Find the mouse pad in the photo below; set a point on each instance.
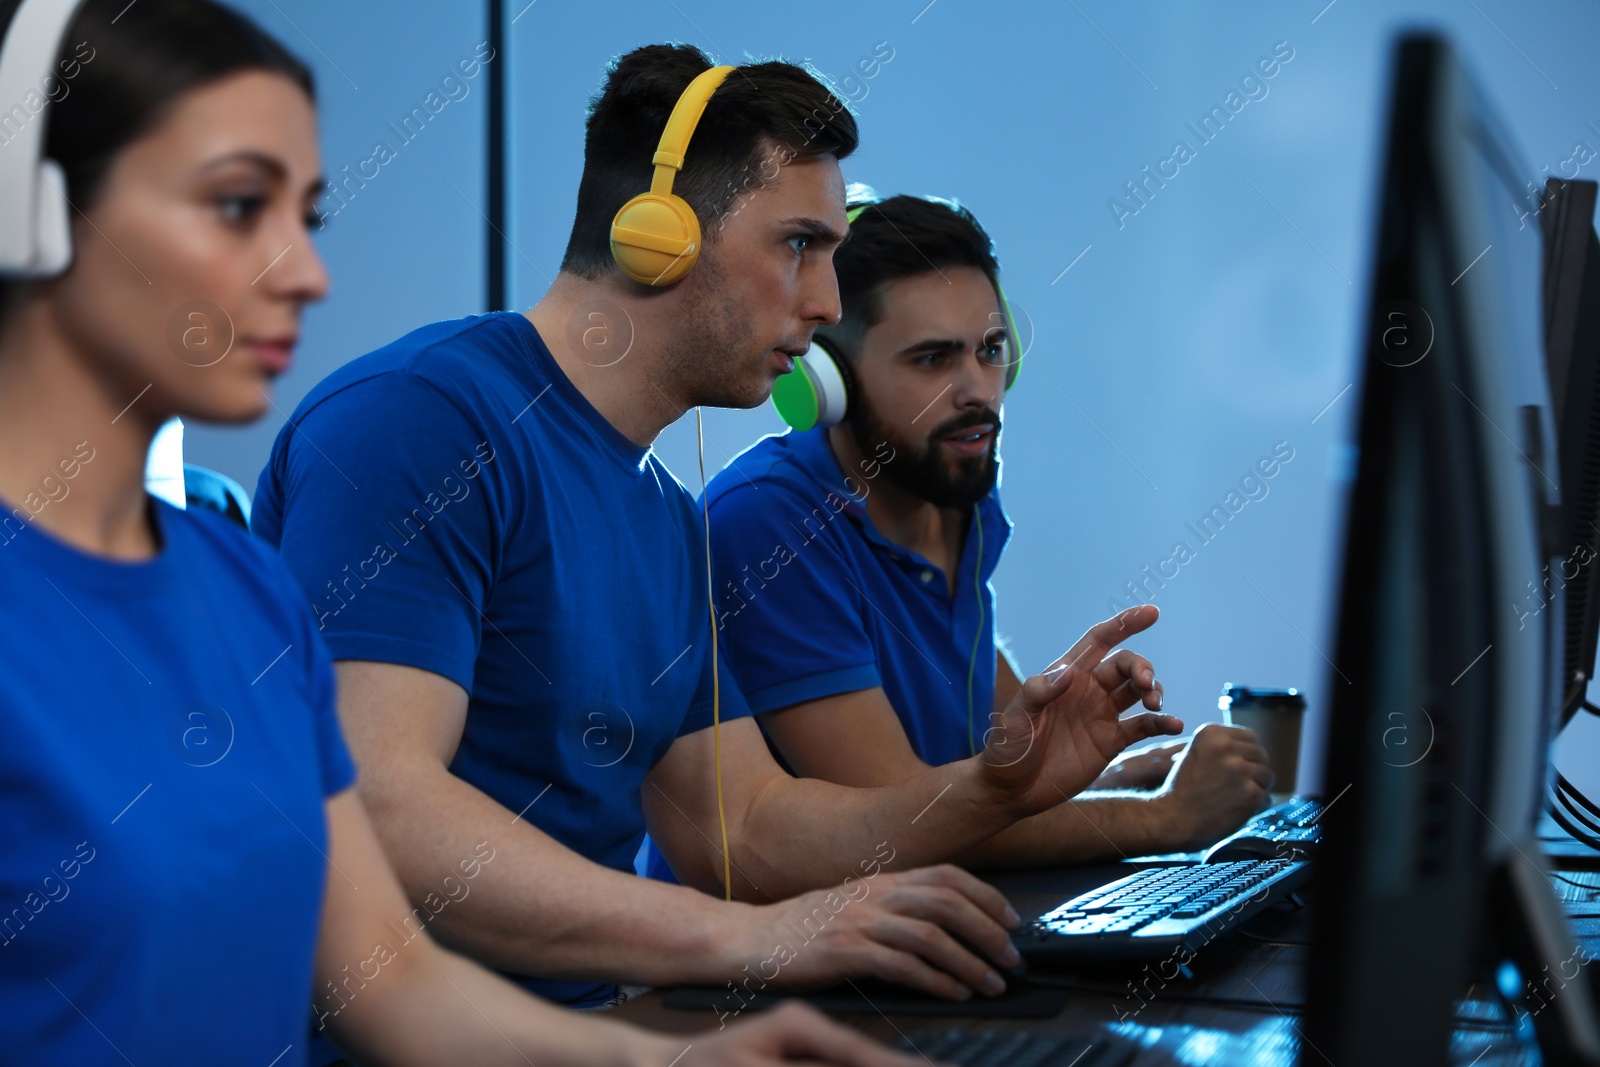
(1022, 1000)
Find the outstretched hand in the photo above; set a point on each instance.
(1065, 725)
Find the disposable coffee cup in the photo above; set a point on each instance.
(1275, 716)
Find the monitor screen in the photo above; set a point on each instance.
(1572, 351)
(1444, 685)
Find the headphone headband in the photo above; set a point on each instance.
(655, 237)
(34, 231)
(686, 113)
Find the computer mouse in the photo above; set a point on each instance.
(1008, 973)
(1255, 848)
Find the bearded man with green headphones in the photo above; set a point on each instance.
(852, 555)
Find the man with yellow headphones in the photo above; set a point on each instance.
(853, 554)
(515, 592)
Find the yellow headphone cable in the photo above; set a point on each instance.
(716, 679)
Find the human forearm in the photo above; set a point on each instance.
(843, 831)
(1221, 779)
(1088, 829)
(409, 1001)
(1085, 830)
(444, 1009)
(537, 907)
(787, 834)
(454, 1012)
(391, 995)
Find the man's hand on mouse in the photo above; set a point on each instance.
(1219, 780)
(936, 929)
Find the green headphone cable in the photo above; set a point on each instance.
(972, 664)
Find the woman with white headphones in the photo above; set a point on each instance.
(185, 874)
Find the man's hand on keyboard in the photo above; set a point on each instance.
(1219, 782)
(1065, 725)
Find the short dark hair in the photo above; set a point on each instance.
(143, 58)
(898, 238)
(765, 109)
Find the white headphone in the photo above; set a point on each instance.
(35, 218)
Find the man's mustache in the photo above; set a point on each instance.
(966, 422)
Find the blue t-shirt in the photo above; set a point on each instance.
(452, 502)
(169, 739)
(814, 601)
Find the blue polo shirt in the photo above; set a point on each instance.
(814, 601)
(169, 740)
(452, 502)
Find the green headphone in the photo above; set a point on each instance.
(817, 392)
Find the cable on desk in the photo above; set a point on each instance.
(1572, 830)
(1574, 812)
(1565, 821)
(1575, 799)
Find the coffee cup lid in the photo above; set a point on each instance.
(1254, 696)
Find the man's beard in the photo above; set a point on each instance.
(919, 467)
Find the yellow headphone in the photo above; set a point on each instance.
(655, 237)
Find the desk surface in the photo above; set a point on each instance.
(1242, 1005)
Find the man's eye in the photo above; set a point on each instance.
(803, 237)
(996, 351)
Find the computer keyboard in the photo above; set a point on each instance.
(1000, 1048)
(1157, 910)
(1576, 887)
(1291, 830)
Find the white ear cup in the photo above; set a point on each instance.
(35, 217)
(52, 216)
(833, 396)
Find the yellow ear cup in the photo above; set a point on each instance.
(655, 237)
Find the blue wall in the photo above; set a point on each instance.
(1183, 343)
(406, 246)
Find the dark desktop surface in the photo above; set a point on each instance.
(1241, 1002)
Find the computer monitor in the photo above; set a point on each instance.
(1572, 352)
(1443, 695)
